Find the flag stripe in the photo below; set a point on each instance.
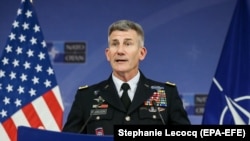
(32, 116)
(11, 129)
(3, 135)
(54, 107)
(57, 94)
(45, 114)
(19, 118)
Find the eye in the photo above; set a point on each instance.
(114, 44)
(128, 43)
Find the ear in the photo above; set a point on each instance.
(143, 53)
(107, 53)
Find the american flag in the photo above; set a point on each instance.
(29, 93)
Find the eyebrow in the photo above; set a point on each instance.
(126, 39)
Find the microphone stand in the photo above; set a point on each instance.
(155, 106)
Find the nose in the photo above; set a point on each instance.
(120, 48)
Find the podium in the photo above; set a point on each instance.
(32, 134)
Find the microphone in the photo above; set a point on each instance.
(100, 101)
(155, 106)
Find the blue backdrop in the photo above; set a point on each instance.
(184, 39)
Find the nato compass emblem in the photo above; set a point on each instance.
(235, 109)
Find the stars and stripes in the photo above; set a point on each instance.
(29, 94)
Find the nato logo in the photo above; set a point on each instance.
(235, 111)
(67, 52)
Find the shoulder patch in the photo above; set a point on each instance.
(169, 83)
(83, 87)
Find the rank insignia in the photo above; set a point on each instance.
(171, 84)
(83, 87)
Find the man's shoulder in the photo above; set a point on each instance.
(93, 86)
(167, 83)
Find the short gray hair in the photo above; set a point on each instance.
(125, 25)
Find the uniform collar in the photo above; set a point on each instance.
(132, 82)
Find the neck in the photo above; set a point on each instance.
(125, 76)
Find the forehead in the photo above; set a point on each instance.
(121, 35)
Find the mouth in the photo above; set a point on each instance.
(121, 60)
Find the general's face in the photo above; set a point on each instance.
(125, 51)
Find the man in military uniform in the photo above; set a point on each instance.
(127, 96)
